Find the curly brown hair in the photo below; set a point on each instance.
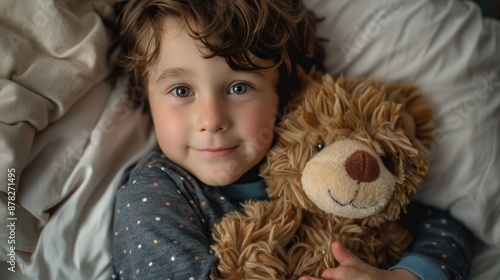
(282, 31)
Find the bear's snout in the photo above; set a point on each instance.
(362, 167)
(347, 179)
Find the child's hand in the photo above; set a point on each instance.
(351, 267)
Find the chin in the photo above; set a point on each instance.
(218, 179)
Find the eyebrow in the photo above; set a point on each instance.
(171, 73)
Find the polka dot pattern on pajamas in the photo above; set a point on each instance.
(443, 240)
(162, 223)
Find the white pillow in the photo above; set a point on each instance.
(452, 54)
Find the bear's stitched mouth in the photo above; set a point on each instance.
(350, 202)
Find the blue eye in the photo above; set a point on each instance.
(238, 88)
(181, 92)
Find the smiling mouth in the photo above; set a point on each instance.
(217, 152)
(351, 203)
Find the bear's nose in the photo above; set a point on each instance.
(362, 167)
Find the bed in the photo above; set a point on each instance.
(66, 132)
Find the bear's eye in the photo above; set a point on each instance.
(387, 161)
(320, 146)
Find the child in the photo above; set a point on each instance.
(216, 74)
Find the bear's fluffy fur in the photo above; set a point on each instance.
(350, 154)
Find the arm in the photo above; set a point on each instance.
(159, 231)
(441, 250)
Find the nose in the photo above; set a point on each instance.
(213, 116)
(362, 167)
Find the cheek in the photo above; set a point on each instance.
(263, 132)
(169, 127)
(261, 129)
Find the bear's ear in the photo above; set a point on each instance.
(418, 111)
(417, 117)
(421, 111)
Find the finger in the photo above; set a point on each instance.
(346, 257)
(343, 273)
(329, 274)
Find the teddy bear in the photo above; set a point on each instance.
(349, 155)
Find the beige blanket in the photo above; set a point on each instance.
(67, 132)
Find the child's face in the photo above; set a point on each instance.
(214, 122)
